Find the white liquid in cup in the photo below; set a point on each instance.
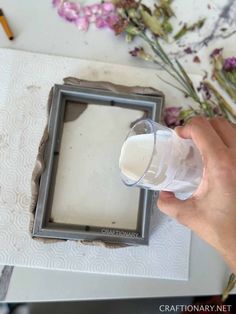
(172, 164)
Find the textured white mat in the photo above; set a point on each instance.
(25, 81)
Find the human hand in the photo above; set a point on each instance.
(211, 211)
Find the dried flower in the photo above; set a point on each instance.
(56, 3)
(108, 21)
(139, 52)
(152, 23)
(196, 59)
(102, 14)
(71, 5)
(86, 10)
(164, 9)
(148, 26)
(136, 51)
(172, 116)
(127, 4)
(216, 52)
(135, 19)
(224, 72)
(111, 20)
(108, 7)
(101, 22)
(205, 90)
(229, 64)
(96, 9)
(217, 98)
(132, 30)
(120, 26)
(185, 29)
(69, 11)
(82, 22)
(188, 50)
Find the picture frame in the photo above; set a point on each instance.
(44, 227)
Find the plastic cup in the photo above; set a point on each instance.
(156, 158)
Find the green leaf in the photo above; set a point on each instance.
(134, 14)
(152, 23)
(132, 30)
(185, 28)
(181, 32)
(199, 24)
(166, 8)
(129, 38)
(146, 9)
(167, 27)
(158, 12)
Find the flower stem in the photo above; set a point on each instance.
(167, 65)
(230, 286)
(221, 99)
(179, 74)
(223, 83)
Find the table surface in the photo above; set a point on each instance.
(37, 28)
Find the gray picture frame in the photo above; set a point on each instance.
(43, 227)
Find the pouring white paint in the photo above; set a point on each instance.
(170, 164)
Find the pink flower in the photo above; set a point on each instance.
(229, 64)
(101, 22)
(69, 11)
(172, 116)
(82, 22)
(96, 8)
(102, 14)
(71, 6)
(112, 20)
(108, 7)
(86, 10)
(56, 3)
(216, 52)
(92, 18)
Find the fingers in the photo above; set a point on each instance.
(225, 129)
(183, 211)
(200, 130)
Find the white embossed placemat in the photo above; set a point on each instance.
(25, 81)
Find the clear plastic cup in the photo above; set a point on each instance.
(156, 158)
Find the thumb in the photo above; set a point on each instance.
(181, 210)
